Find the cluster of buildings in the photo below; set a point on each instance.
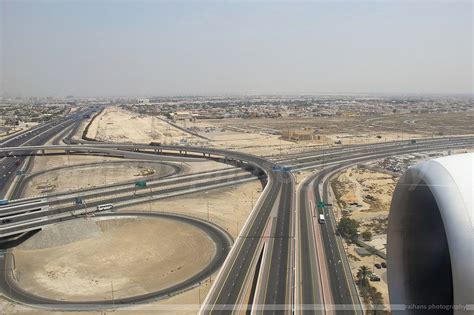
(298, 106)
(15, 114)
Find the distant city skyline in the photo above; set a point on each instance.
(90, 48)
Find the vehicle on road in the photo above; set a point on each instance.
(378, 266)
(3, 202)
(156, 144)
(106, 206)
(321, 219)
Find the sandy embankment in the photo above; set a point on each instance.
(117, 125)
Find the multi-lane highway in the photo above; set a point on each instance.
(34, 136)
(280, 262)
(326, 284)
(24, 217)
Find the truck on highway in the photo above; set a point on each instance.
(156, 144)
(321, 219)
(104, 207)
(3, 202)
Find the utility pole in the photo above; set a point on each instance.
(105, 173)
(280, 147)
(251, 200)
(199, 294)
(113, 300)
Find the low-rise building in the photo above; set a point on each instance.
(302, 134)
(183, 116)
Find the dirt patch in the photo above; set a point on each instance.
(155, 254)
(118, 125)
(364, 194)
(61, 234)
(87, 176)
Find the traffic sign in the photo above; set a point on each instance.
(140, 184)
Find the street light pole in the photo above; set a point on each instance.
(113, 300)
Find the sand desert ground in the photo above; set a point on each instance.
(364, 194)
(117, 125)
(351, 189)
(135, 256)
(93, 175)
(230, 216)
(75, 264)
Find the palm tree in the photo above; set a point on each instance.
(362, 275)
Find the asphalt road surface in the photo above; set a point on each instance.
(221, 239)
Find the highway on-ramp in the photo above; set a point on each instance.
(221, 239)
(261, 261)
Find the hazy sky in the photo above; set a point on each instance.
(91, 48)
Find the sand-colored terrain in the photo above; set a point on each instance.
(93, 175)
(101, 171)
(231, 216)
(328, 129)
(42, 163)
(155, 254)
(363, 193)
(117, 125)
(227, 207)
(259, 136)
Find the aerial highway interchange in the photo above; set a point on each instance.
(282, 261)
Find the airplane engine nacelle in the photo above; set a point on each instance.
(430, 245)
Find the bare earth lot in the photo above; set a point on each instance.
(92, 175)
(228, 207)
(365, 195)
(117, 125)
(155, 254)
(257, 136)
